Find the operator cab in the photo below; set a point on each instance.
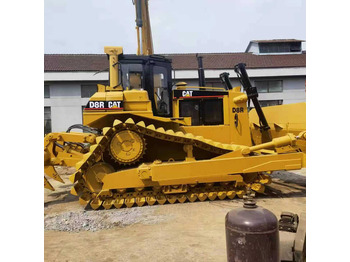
(153, 73)
(150, 73)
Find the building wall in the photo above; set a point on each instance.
(293, 90)
(66, 104)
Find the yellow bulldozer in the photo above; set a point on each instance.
(146, 141)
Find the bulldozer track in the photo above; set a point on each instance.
(149, 196)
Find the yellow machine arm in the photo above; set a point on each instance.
(143, 27)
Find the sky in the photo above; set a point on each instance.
(181, 26)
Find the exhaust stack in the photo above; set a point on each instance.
(201, 76)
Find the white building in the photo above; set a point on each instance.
(276, 67)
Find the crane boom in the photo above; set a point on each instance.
(143, 28)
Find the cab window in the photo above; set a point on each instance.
(160, 91)
(203, 111)
(132, 76)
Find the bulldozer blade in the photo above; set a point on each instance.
(48, 185)
(51, 172)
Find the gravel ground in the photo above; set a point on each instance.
(103, 219)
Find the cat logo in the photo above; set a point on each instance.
(187, 93)
(114, 104)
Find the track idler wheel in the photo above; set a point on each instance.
(94, 175)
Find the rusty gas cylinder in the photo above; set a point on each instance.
(251, 234)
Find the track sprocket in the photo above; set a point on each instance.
(127, 147)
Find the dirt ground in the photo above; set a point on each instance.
(178, 232)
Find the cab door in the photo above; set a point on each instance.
(159, 88)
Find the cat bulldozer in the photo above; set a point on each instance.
(147, 141)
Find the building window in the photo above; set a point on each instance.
(46, 91)
(280, 47)
(271, 86)
(88, 90)
(264, 103)
(47, 120)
